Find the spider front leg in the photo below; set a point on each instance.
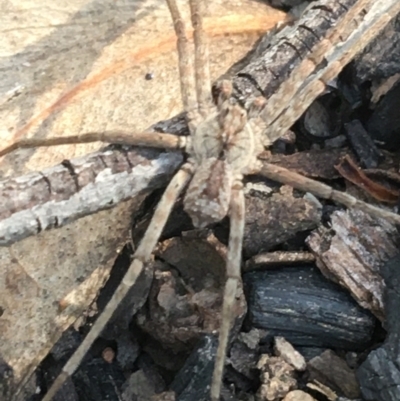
(141, 257)
(233, 274)
(185, 66)
(201, 62)
(150, 139)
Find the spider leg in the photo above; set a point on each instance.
(150, 139)
(285, 176)
(201, 63)
(236, 214)
(141, 256)
(185, 67)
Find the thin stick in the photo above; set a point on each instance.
(141, 257)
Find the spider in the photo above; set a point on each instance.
(224, 144)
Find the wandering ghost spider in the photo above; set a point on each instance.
(224, 144)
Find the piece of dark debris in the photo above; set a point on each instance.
(149, 76)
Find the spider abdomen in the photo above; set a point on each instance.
(209, 193)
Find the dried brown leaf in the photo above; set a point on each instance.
(349, 170)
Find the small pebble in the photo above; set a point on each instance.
(108, 354)
(298, 395)
(286, 351)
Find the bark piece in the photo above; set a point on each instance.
(273, 68)
(244, 353)
(152, 372)
(351, 253)
(320, 390)
(286, 351)
(41, 201)
(286, 3)
(310, 352)
(138, 387)
(277, 378)
(307, 309)
(273, 220)
(331, 370)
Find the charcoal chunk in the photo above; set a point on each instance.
(98, 380)
(380, 59)
(307, 309)
(362, 144)
(379, 375)
(384, 124)
(190, 382)
(6, 380)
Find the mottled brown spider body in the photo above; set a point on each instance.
(223, 149)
